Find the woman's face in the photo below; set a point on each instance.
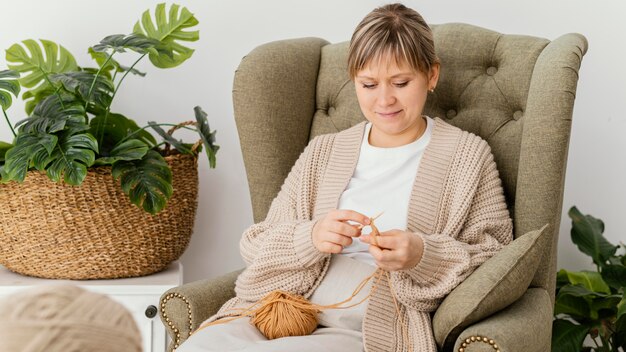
(392, 98)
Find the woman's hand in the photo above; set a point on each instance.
(332, 233)
(396, 249)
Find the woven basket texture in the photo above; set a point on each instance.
(92, 231)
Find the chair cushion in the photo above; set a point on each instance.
(494, 285)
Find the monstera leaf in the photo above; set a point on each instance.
(169, 32)
(179, 145)
(4, 146)
(28, 149)
(51, 116)
(112, 129)
(36, 65)
(8, 84)
(71, 157)
(136, 42)
(131, 149)
(97, 90)
(147, 182)
(208, 136)
(38, 94)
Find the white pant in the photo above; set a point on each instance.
(339, 330)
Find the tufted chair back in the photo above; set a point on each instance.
(516, 92)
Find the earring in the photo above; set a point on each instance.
(432, 90)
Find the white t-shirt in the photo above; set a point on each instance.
(382, 182)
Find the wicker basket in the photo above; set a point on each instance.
(92, 231)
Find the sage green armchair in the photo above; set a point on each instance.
(516, 92)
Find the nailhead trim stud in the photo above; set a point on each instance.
(169, 322)
(484, 339)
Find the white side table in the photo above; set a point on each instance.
(140, 295)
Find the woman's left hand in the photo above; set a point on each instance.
(396, 249)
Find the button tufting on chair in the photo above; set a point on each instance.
(492, 70)
(451, 113)
(518, 115)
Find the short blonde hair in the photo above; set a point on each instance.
(392, 29)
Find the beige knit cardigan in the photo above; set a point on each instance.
(457, 205)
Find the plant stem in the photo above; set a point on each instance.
(93, 83)
(8, 122)
(126, 74)
(106, 115)
(56, 90)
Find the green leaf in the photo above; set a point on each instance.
(35, 96)
(147, 182)
(8, 84)
(71, 157)
(579, 290)
(3, 149)
(567, 336)
(169, 32)
(208, 136)
(36, 65)
(604, 307)
(614, 276)
(136, 42)
(577, 307)
(114, 128)
(561, 279)
(28, 149)
(589, 279)
(112, 64)
(179, 145)
(621, 308)
(81, 83)
(132, 149)
(586, 303)
(51, 116)
(587, 235)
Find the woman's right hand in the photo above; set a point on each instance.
(332, 233)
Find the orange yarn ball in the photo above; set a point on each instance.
(283, 314)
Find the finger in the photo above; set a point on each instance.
(377, 253)
(336, 238)
(328, 247)
(388, 242)
(393, 232)
(350, 215)
(344, 229)
(394, 239)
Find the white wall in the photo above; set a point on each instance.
(230, 29)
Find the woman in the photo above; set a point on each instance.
(444, 211)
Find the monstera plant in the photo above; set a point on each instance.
(69, 125)
(591, 304)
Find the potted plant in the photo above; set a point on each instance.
(74, 167)
(591, 304)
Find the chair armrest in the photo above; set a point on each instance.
(525, 325)
(185, 307)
